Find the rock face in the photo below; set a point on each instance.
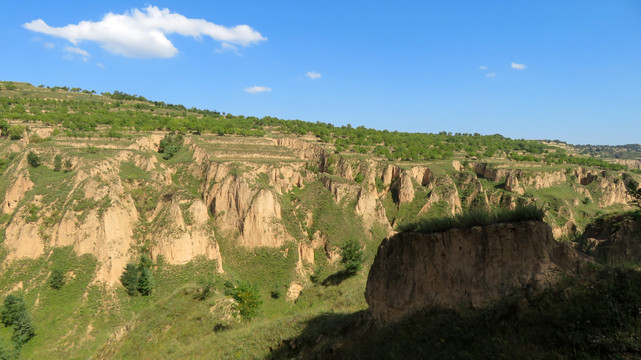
(617, 239)
(462, 267)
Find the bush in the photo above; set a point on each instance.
(129, 279)
(247, 298)
(23, 329)
(57, 163)
(57, 279)
(15, 132)
(12, 308)
(170, 145)
(145, 282)
(33, 159)
(351, 256)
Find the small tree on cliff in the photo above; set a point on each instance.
(352, 256)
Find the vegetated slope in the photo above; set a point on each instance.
(272, 209)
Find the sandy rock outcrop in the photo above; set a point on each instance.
(512, 184)
(404, 188)
(16, 192)
(462, 267)
(443, 189)
(617, 238)
(371, 210)
(339, 188)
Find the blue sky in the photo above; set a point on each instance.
(567, 70)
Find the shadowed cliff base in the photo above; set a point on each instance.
(592, 315)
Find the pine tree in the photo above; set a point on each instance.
(129, 279)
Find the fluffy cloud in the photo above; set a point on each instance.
(143, 33)
(313, 75)
(518, 66)
(257, 89)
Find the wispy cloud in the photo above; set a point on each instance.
(483, 67)
(518, 66)
(490, 74)
(313, 75)
(257, 89)
(76, 50)
(100, 65)
(143, 33)
(49, 45)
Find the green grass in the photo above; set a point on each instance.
(129, 171)
(473, 218)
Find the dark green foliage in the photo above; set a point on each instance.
(12, 308)
(170, 145)
(129, 279)
(205, 289)
(247, 298)
(138, 278)
(276, 292)
(14, 313)
(68, 165)
(145, 282)
(33, 159)
(23, 329)
(57, 163)
(477, 217)
(351, 256)
(4, 127)
(57, 279)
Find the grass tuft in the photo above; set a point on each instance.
(477, 217)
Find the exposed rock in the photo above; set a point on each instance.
(294, 291)
(16, 192)
(512, 184)
(404, 188)
(486, 170)
(372, 210)
(421, 174)
(457, 165)
(339, 188)
(462, 267)
(443, 189)
(614, 192)
(617, 238)
(389, 173)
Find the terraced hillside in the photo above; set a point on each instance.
(239, 200)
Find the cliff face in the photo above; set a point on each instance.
(615, 239)
(462, 267)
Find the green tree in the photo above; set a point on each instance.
(57, 279)
(145, 282)
(33, 159)
(247, 298)
(4, 127)
(13, 306)
(68, 165)
(23, 329)
(57, 163)
(129, 279)
(351, 256)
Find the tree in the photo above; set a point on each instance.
(15, 132)
(57, 163)
(68, 165)
(4, 127)
(22, 329)
(33, 159)
(247, 298)
(57, 279)
(13, 306)
(351, 256)
(129, 279)
(145, 282)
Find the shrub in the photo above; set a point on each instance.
(15, 132)
(170, 145)
(33, 159)
(57, 279)
(57, 163)
(351, 256)
(247, 298)
(145, 282)
(23, 329)
(129, 279)
(13, 306)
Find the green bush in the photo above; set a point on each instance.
(129, 279)
(33, 159)
(57, 163)
(145, 282)
(57, 279)
(351, 256)
(15, 132)
(12, 308)
(138, 278)
(247, 298)
(170, 145)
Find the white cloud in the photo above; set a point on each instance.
(490, 74)
(68, 57)
(483, 67)
(257, 89)
(518, 66)
(49, 45)
(100, 65)
(142, 33)
(313, 75)
(76, 50)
